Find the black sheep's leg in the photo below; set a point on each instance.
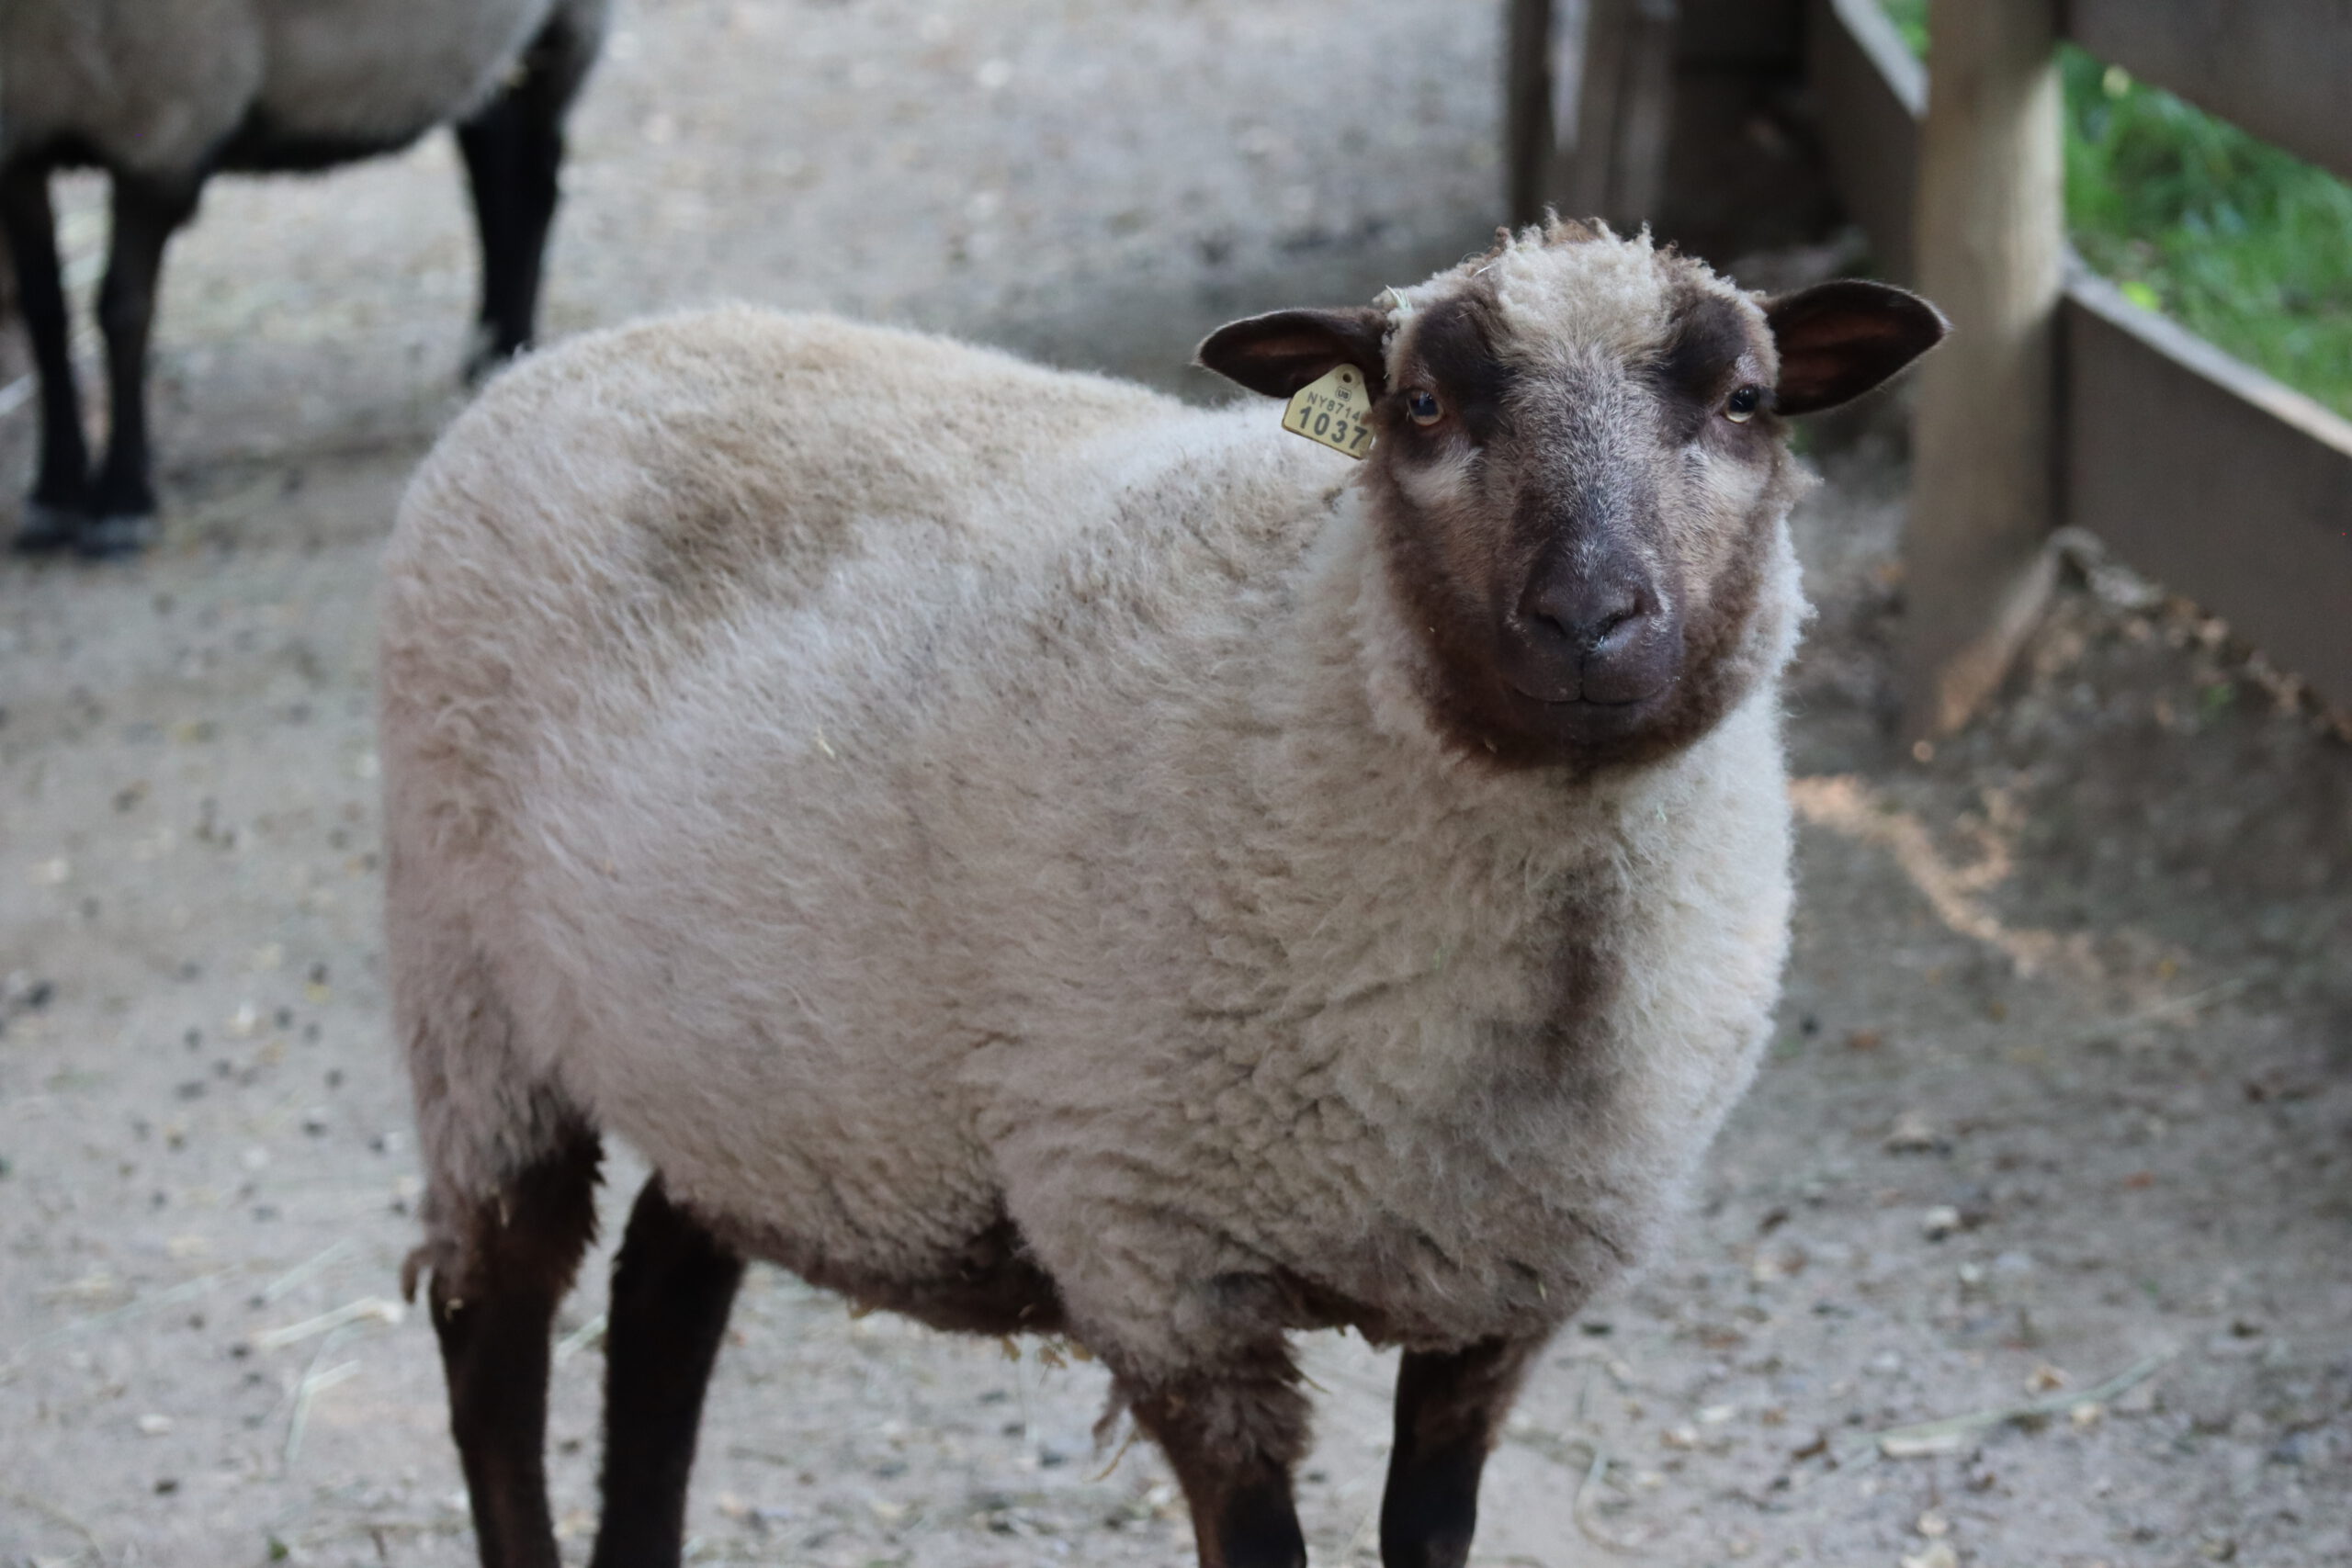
(494, 1313)
(672, 1284)
(60, 492)
(1232, 1435)
(514, 149)
(1449, 1409)
(146, 212)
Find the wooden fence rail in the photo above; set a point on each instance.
(2196, 466)
(2279, 68)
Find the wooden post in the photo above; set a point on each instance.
(1609, 65)
(1531, 137)
(1617, 168)
(1991, 248)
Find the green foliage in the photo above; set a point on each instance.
(2234, 238)
(2239, 242)
(1910, 19)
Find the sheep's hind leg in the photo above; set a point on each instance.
(61, 493)
(672, 1287)
(1449, 1409)
(1232, 1436)
(513, 149)
(494, 1311)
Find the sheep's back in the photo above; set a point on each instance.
(627, 505)
(164, 86)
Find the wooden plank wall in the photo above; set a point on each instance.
(1871, 93)
(2210, 476)
(2279, 68)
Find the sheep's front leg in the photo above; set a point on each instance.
(1450, 1410)
(1232, 1435)
(147, 210)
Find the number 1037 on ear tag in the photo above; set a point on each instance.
(1333, 411)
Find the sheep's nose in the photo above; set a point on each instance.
(1606, 632)
(1588, 614)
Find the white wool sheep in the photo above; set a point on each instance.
(163, 94)
(1023, 851)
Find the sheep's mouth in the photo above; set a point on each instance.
(1601, 704)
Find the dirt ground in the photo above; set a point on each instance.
(2060, 1100)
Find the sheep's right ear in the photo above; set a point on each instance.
(1280, 351)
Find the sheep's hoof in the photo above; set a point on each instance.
(420, 1262)
(116, 534)
(46, 527)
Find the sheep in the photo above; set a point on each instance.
(163, 94)
(1021, 851)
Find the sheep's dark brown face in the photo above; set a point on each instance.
(1580, 475)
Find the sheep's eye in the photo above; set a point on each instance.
(1741, 406)
(1423, 406)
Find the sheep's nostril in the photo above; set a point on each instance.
(1586, 615)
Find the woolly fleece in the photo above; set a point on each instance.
(898, 788)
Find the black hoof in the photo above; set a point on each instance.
(115, 535)
(46, 528)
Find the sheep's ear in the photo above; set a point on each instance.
(1279, 352)
(1837, 340)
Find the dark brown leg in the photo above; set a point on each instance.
(1450, 1410)
(61, 490)
(513, 149)
(146, 212)
(1232, 1439)
(672, 1287)
(494, 1313)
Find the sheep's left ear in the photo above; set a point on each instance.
(1837, 340)
(1279, 352)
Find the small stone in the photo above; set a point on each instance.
(1935, 1554)
(2086, 1415)
(1911, 1134)
(1939, 1222)
(155, 1426)
(1933, 1525)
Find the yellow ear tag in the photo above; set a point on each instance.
(1333, 411)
